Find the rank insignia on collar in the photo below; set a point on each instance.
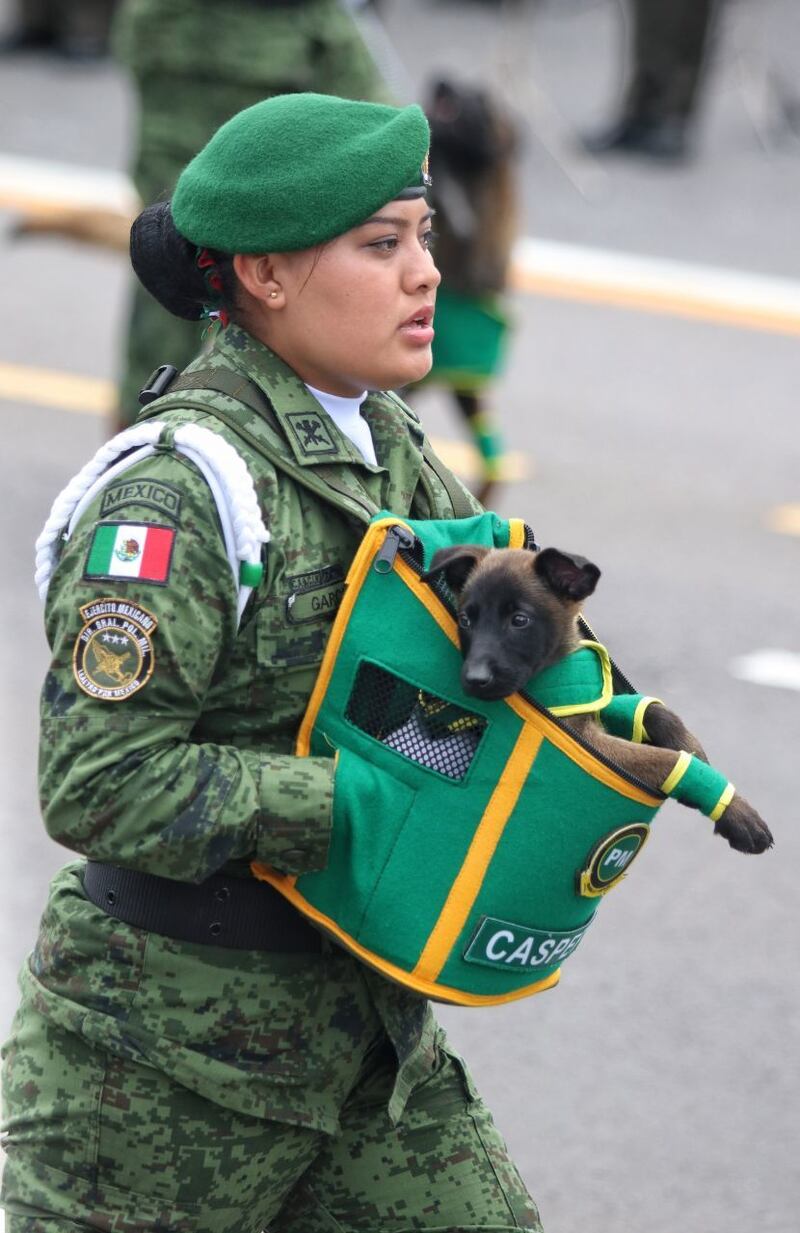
(113, 655)
(311, 433)
(610, 859)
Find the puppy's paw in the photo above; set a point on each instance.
(667, 730)
(743, 828)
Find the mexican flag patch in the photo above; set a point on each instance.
(140, 550)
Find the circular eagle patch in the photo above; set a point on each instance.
(113, 656)
(610, 859)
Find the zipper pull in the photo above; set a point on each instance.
(397, 537)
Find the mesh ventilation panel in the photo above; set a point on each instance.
(429, 730)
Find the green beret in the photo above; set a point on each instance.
(297, 170)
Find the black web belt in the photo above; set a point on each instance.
(240, 913)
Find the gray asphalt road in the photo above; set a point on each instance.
(657, 1088)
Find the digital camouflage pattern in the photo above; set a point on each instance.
(195, 64)
(122, 1035)
(220, 1171)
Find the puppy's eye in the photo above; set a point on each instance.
(520, 620)
(463, 620)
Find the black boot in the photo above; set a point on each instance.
(663, 138)
(23, 38)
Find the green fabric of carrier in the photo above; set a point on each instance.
(472, 840)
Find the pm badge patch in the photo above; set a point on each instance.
(113, 656)
(610, 859)
(141, 550)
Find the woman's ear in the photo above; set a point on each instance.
(256, 272)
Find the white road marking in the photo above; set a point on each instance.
(679, 288)
(540, 267)
(769, 667)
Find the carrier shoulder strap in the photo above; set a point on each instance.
(242, 389)
(319, 479)
(462, 507)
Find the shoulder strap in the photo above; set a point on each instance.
(227, 381)
(242, 389)
(462, 507)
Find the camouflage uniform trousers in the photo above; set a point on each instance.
(195, 64)
(118, 1146)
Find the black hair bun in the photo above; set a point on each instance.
(165, 263)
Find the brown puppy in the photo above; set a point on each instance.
(518, 614)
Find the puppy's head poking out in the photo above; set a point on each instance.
(517, 611)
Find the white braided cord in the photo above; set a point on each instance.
(222, 467)
(239, 508)
(67, 500)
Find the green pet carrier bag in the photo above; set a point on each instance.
(472, 841)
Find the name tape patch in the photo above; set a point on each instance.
(501, 943)
(316, 593)
(113, 655)
(141, 550)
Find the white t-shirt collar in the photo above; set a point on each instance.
(346, 414)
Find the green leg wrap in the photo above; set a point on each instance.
(697, 784)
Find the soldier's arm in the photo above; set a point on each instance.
(121, 777)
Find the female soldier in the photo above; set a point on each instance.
(189, 1053)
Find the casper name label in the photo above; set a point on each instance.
(499, 943)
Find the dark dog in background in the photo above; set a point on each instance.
(472, 159)
(518, 614)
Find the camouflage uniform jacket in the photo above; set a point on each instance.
(195, 770)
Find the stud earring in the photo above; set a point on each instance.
(273, 295)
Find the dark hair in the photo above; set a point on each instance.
(165, 263)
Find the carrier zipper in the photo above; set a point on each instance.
(402, 542)
(621, 683)
(397, 537)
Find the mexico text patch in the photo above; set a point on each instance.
(159, 496)
(141, 550)
(113, 656)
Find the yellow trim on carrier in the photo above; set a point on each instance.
(465, 889)
(355, 578)
(467, 885)
(430, 988)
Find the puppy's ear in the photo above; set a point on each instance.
(456, 564)
(567, 575)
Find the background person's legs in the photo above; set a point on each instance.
(669, 41)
